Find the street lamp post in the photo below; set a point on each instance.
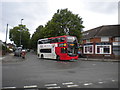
(20, 32)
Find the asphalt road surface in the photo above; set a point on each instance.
(50, 74)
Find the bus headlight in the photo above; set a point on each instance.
(64, 44)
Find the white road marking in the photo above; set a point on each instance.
(51, 85)
(67, 83)
(86, 84)
(9, 87)
(113, 80)
(32, 86)
(72, 85)
(100, 82)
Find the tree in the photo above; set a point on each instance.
(36, 36)
(20, 32)
(64, 22)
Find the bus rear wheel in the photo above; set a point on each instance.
(42, 56)
(58, 58)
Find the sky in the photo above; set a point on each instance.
(94, 13)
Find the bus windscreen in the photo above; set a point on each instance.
(72, 46)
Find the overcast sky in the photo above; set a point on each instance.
(94, 13)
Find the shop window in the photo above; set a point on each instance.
(88, 49)
(103, 49)
(106, 49)
(117, 38)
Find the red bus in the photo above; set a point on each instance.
(60, 48)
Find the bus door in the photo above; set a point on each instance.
(53, 54)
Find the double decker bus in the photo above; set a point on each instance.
(60, 48)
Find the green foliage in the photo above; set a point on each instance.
(15, 35)
(64, 22)
(3, 47)
(36, 36)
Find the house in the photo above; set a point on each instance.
(0, 48)
(102, 42)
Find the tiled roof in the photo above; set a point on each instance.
(102, 31)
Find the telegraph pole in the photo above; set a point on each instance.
(6, 33)
(6, 39)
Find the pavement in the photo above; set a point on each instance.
(99, 59)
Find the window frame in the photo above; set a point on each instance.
(110, 49)
(117, 39)
(46, 50)
(87, 51)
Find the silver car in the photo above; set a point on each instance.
(18, 52)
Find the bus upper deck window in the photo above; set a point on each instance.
(62, 39)
(40, 42)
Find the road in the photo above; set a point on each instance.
(43, 73)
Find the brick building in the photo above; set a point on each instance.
(102, 42)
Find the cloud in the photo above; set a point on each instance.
(119, 12)
(31, 12)
(96, 14)
(38, 12)
(102, 7)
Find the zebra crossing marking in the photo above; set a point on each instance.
(53, 87)
(50, 85)
(86, 84)
(67, 83)
(31, 86)
(113, 80)
(8, 87)
(72, 85)
(100, 82)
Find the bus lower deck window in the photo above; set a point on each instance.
(45, 50)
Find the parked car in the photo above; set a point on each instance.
(18, 51)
